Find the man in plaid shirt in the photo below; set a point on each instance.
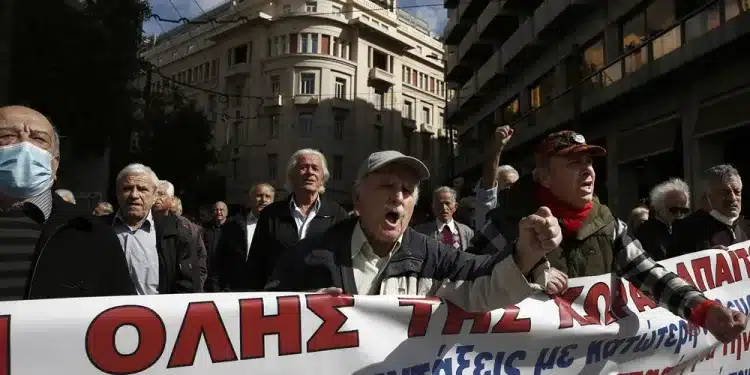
(594, 241)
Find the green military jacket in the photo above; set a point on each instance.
(589, 253)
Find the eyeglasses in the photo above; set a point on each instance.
(679, 210)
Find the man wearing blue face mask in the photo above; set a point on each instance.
(48, 248)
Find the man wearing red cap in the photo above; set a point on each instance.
(594, 241)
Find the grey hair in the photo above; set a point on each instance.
(718, 174)
(56, 138)
(293, 160)
(135, 169)
(266, 184)
(657, 194)
(445, 189)
(107, 206)
(170, 187)
(177, 203)
(507, 169)
(66, 194)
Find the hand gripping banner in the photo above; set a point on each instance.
(600, 326)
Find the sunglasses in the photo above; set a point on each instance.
(679, 210)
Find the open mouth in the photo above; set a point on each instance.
(391, 218)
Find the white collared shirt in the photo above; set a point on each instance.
(366, 265)
(451, 225)
(250, 225)
(302, 221)
(141, 253)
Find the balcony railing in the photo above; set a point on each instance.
(469, 40)
(492, 67)
(488, 14)
(660, 44)
(521, 39)
(451, 58)
(550, 12)
(468, 91)
(375, 8)
(381, 76)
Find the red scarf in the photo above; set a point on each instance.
(571, 218)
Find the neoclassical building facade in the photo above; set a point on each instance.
(347, 77)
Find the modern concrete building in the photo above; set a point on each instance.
(347, 77)
(663, 84)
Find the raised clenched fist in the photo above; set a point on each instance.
(503, 135)
(724, 323)
(538, 234)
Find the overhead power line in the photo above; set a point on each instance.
(190, 32)
(204, 19)
(239, 18)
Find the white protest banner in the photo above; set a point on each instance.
(600, 326)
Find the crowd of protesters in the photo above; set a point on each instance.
(520, 235)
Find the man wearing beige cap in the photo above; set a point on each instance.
(377, 253)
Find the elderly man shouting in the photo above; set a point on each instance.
(377, 253)
(595, 242)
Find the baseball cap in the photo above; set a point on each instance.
(567, 142)
(380, 159)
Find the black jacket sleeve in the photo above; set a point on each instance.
(213, 267)
(295, 272)
(257, 272)
(288, 271)
(191, 265)
(220, 276)
(201, 258)
(686, 237)
(341, 213)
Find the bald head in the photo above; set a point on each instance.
(23, 124)
(21, 110)
(220, 212)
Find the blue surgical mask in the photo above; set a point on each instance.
(25, 170)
